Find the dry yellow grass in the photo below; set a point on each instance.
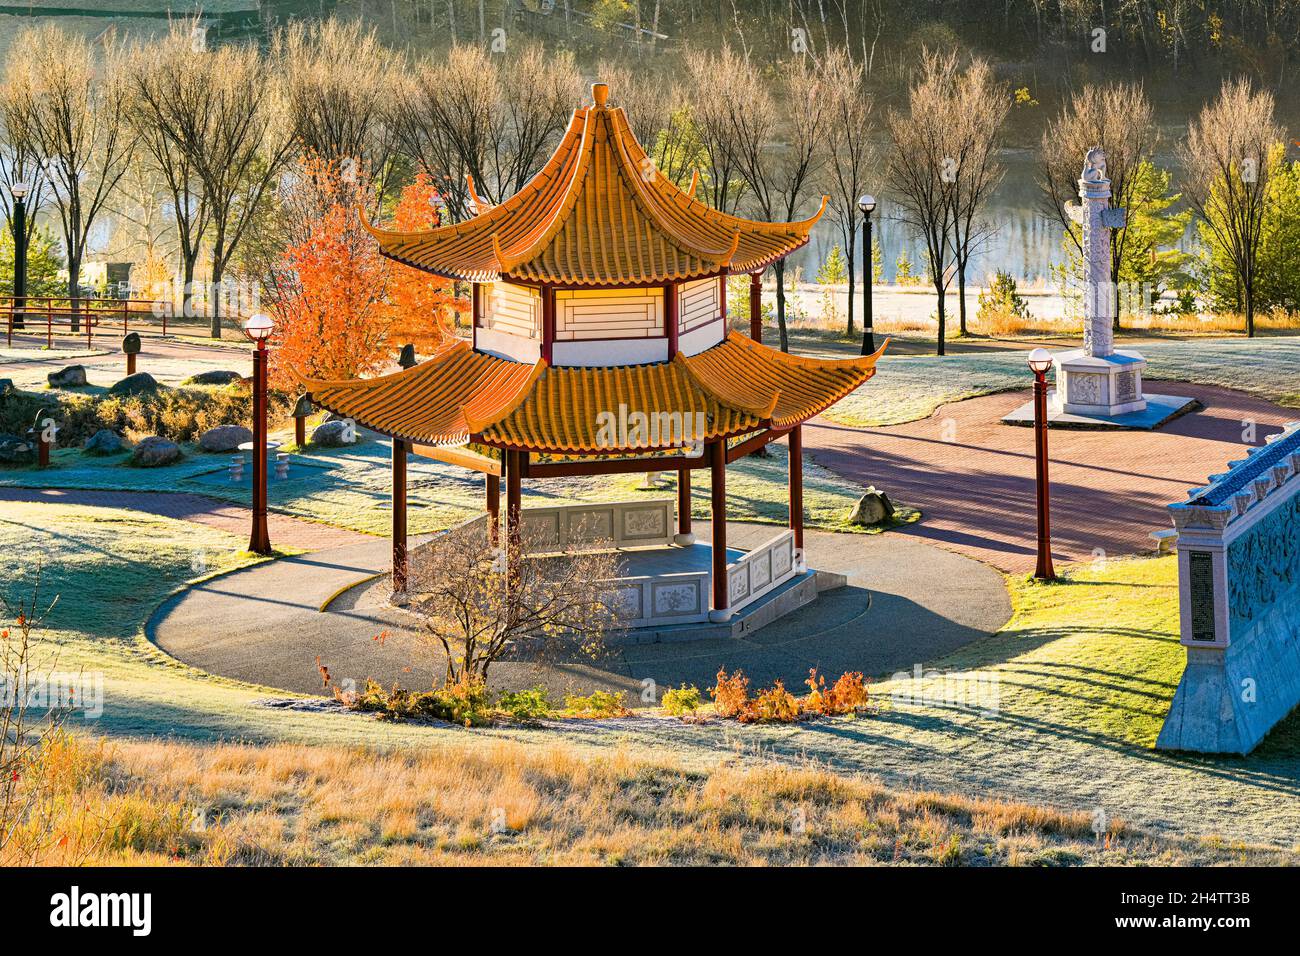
(157, 803)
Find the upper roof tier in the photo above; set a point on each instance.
(598, 213)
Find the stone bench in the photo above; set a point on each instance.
(1165, 540)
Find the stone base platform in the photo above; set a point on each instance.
(789, 597)
(1160, 409)
(667, 565)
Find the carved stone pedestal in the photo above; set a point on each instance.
(1107, 385)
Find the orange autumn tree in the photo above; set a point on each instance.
(425, 306)
(329, 288)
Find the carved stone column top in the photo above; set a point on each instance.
(1093, 182)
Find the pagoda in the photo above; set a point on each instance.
(600, 345)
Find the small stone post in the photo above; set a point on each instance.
(131, 348)
(301, 409)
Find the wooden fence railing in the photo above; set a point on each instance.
(57, 316)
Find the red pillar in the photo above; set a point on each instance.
(1044, 571)
(684, 534)
(548, 323)
(756, 306)
(512, 496)
(796, 484)
(259, 541)
(400, 577)
(670, 317)
(718, 490)
(494, 506)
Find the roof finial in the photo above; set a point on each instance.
(600, 94)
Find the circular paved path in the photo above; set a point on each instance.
(263, 624)
(973, 477)
(285, 531)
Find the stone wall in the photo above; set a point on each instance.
(1239, 596)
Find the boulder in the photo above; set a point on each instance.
(104, 442)
(873, 508)
(154, 451)
(213, 377)
(225, 438)
(334, 434)
(15, 450)
(6, 387)
(138, 384)
(69, 377)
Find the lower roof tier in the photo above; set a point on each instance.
(462, 395)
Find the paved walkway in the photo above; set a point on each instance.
(285, 531)
(907, 603)
(973, 477)
(168, 360)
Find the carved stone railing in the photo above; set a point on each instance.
(1239, 602)
(663, 599)
(619, 524)
(763, 569)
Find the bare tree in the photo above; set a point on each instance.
(776, 144)
(224, 113)
(1225, 157)
(19, 163)
(66, 108)
(922, 169)
(715, 80)
(659, 112)
(159, 72)
(1117, 117)
(980, 111)
(334, 94)
(493, 117)
(29, 673)
(479, 602)
(851, 152)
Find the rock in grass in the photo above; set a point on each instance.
(71, 376)
(216, 376)
(334, 434)
(873, 508)
(138, 384)
(15, 450)
(104, 442)
(225, 438)
(154, 451)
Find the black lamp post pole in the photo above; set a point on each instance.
(20, 262)
(868, 333)
(1044, 571)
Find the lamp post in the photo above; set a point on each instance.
(19, 304)
(867, 203)
(1040, 360)
(258, 328)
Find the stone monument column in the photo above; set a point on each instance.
(1098, 380)
(1099, 304)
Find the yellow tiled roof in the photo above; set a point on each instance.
(784, 389)
(598, 212)
(737, 386)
